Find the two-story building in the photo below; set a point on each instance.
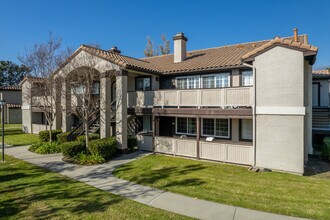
(13, 97)
(321, 105)
(247, 103)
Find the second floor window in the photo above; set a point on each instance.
(143, 84)
(216, 80)
(247, 78)
(191, 82)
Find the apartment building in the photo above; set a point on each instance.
(13, 97)
(247, 103)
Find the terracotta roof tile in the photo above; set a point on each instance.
(13, 105)
(13, 88)
(321, 74)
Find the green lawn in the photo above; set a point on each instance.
(275, 192)
(30, 192)
(14, 135)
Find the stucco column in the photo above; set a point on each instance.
(58, 110)
(66, 106)
(121, 110)
(105, 108)
(27, 107)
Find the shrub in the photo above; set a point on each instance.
(45, 148)
(105, 147)
(326, 148)
(88, 159)
(44, 135)
(92, 137)
(131, 142)
(62, 137)
(71, 149)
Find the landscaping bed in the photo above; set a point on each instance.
(30, 192)
(274, 192)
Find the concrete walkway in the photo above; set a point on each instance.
(100, 176)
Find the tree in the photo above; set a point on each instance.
(11, 73)
(149, 51)
(165, 48)
(42, 60)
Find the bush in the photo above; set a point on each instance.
(92, 137)
(131, 142)
(44, 135)
(45, 148)
(63, 137)
(105, 147)
(326, 148)
(88, 159)
(71, 149)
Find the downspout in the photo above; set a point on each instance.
(253, 111)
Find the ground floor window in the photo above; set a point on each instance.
(144, 123)
(216, 127)
(246, 129)
(186, 126)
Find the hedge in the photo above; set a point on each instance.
(131, 142)
(63, 137)
(92, 137)
(44, 135)
(45, 148)
(105, 147)
(71, 149)
(326, 148)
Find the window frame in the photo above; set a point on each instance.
(214, 129)
(242, 77)
(214, 75)
(188, 77)
(240, 131)
(142, 77)
(181, 133)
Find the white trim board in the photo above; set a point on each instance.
(280, 110)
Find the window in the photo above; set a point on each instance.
(247, 78)
(186, 126)
(144, 123)
(191, 82)
(79, 89)
(217, 127)
(216, 81)
(143, 83)
(246, 129)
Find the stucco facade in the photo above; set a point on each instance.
(256, 111)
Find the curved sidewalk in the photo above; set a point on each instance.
(100, 176)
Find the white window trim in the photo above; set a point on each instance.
(176, 127)
(242, 79)
(207, 135)
(188, 77)
(215, 74)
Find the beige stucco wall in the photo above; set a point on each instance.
(235, 129)
(12, 97)
(280, 108)
(235, 77)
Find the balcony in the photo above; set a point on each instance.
(240, 96)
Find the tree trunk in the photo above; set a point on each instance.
(87, 134)
(50, 133)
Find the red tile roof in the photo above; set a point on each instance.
(321, 74)
(11, 88)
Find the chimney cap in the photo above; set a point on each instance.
(180, 36)
(114, 49)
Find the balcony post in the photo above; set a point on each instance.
(66, 106)
(105, 108)
(121, 110)
(198, 124)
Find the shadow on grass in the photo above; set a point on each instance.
(153, 176)
(33, 192)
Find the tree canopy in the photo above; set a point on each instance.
(162, 49)
(11, 73)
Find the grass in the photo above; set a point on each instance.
(275, 192)
(14, 136)
(30, 192)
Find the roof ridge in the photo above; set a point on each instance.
(106, 51)
(224, 46)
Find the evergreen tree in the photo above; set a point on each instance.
(11, 73)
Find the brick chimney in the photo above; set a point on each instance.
(114, 49)
(295, 34)
(180, 50)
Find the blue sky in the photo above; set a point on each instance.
(126, 24)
